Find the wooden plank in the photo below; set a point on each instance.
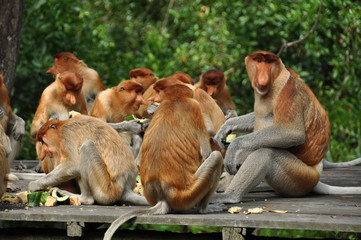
(313, 212)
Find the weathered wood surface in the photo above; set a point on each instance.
(313, 212)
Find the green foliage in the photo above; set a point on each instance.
(114, 37)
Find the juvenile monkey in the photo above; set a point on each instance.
(90, 151)
(214, 83)
(289, 134)
(66, 61)
(146, 78)
(143, 76)
(114, 104)
(178, 169)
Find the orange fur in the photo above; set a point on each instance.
(66, 61)
(214, 83)
(183, 77)
(209, 108)
(144, 76)
(4, 165)
(171, 146)
(293, 105)
(114, 104)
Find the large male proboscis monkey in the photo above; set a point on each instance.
(289, 134)
(66, 61)
(12, 128)
(90, 151)
(178, 169)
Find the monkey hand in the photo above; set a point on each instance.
(133, 126)
(231, 114)
(152, 107)
(230, 159)
(144, 123)
(221, 136)
(35, 185)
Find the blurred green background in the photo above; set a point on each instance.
(115, 36)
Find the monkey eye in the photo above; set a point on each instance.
(52, 126)
(150, 74)
(121, 89)
(259, 61)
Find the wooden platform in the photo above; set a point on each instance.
(314, 212)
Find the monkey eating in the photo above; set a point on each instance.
(178, 169)
(288, 136)
(88, 150)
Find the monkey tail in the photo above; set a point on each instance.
(327, 164)
(161, 207)
(323, 188)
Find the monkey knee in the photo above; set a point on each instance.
(262, 154)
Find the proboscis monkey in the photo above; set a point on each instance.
(183, 77)
(211, 112)
(66, 61)
(90, 151)
(327, 164)
(178, 169)
(57, 100)
(11, 125)
(144, 76)
(147, 78)
(288, 135)
(114, 104)
(214, 83)
(143, 110)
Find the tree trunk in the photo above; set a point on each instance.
(11, 17)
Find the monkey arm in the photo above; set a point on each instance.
(62, 173)
(231, 114)
(133, 126)
(209, 125)
(17, 126)
(275, 136)
(242, 123)
(41, 116)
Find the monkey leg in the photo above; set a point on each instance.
(211, 169)
(285, 173)
(90, 162)
(136, 144)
